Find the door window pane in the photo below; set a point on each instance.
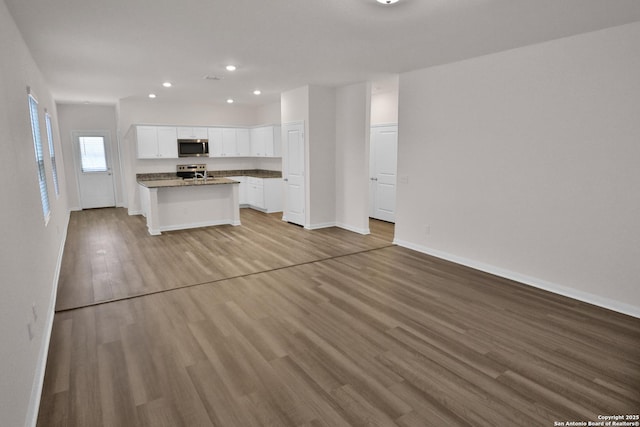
(92, 154)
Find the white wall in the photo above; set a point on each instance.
(157, 111)
(81, 117)
(269, 114)
(30, 251)
(526, 163)
(321, 141)
(384, 107)
(353, 106)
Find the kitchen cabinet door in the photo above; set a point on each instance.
(273, 189)
(156, 142)
(255, 192)
(167, 142)
(243, 142)
(229, 142)
(192, 132)
(147, 142)
(258, 142)
(274, 145)
(215, 142)
(265, 141)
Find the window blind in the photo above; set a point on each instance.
(52, 153)
(37, 143)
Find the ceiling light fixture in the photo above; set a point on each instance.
(229, 101)
(256, 92)
(152, 95)
(230, 67)
(387, 1)
(167, 84)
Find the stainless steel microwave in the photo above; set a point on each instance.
(193, 148)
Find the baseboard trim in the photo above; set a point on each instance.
(320, 225)
(134, 212)
(38, 380)
(353, 229)
(576, 294)
(198, 225)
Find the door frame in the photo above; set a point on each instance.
(75, 134)
(370, 171)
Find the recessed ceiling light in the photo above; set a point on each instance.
(152, 95)
(229, 101)
(256, 92)
(230, 67)
(167, 84)
(387, 1)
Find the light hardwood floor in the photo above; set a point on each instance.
(338, 329)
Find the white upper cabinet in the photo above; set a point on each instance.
(154, 142)
(215, 142)
(258, 141)
(167, 142)
(192, 133)
(235, 142)
(243, 142)
(161, 141)
(229, 142)
(265, 141)
(147, 139)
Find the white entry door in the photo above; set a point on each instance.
(293, 138)
(93, 168)
(383, 170)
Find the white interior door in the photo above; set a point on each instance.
(93, 168)
(383, 170)
(294, 173)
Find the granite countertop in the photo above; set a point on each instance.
(166, 176)
(179, 182)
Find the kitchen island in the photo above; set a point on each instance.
(176, 203)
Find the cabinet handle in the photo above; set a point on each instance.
(373, 179)
(286, 180)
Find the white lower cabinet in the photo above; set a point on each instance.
(265, 194)
(255, 192)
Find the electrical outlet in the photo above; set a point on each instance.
(404, 179)
(427, 229)
(35, 312)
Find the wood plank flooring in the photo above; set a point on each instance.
(109, 255)
(365, 334)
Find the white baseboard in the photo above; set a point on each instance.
(198, 225)
(132, 212)
(38, 380)
(576, 294)
(320, 225)
(354, 229)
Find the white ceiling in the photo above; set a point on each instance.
(105, 50)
